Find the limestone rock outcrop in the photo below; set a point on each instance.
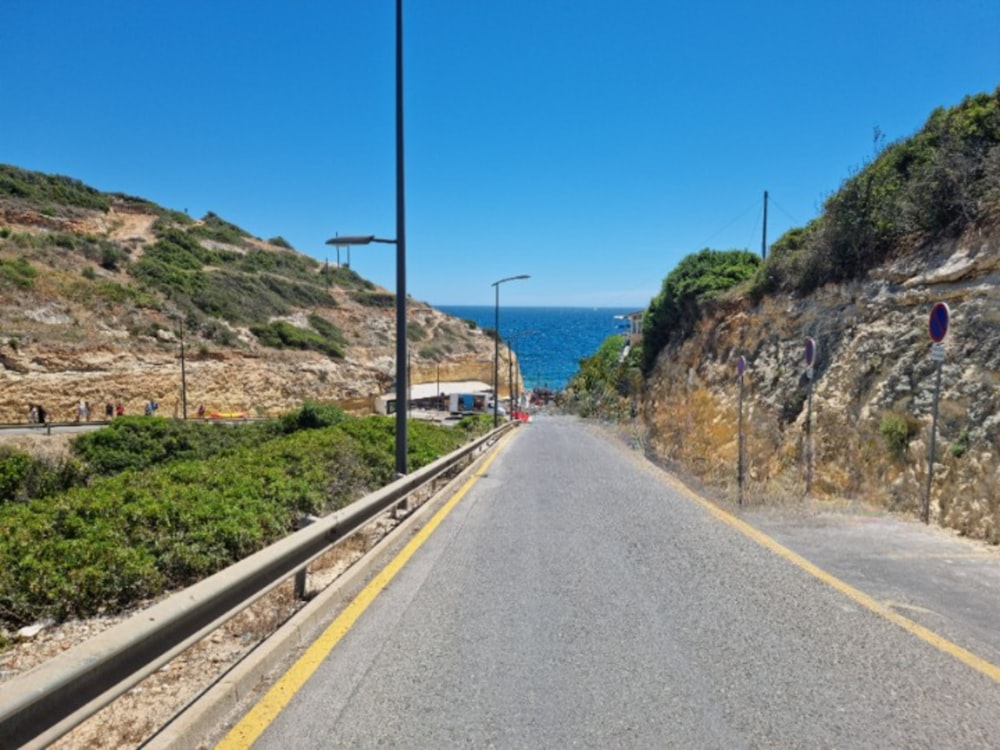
(873, 370)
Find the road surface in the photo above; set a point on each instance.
(576, 596)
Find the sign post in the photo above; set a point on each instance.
(741, 366)
(937, 326)
(810, 345)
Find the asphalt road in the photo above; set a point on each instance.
(578, 597)
(57, 428)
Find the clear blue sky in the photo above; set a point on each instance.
(589, 143)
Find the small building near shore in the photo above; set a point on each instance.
(634, 327)
(431, 396)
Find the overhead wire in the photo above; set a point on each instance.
(731, 223)
(788, 215)
(755, 232)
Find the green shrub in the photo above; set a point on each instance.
(40, 188)
(312, 416)
(136, 534)
(114, 292)
(215, 228)
(960, 446)
(237, 298)
(64, 240)
(475, 424)
(17, 273)
(897, 430)
(297, 293)
(604, 383)
(14, 467)
(239, 288)
(173, 264)
(289, 264)
(139, 442)
(282, 335)
(673, 313)
(431, 352)
(23, 477)
(178, 249)
(374, 299)
(344, 277)
(327, 329)
(415, 331)
(218, 332)
(112, 258)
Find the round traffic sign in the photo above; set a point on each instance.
(938, 323)
(741, 365)
(810, 351)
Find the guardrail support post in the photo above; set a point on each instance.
(300, 575)
(403, 505)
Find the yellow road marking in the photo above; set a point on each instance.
(963, 655)
(253, 724)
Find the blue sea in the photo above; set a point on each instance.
(549, 341)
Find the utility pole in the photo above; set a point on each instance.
(184, 400)
(510, 381)
(763, 242)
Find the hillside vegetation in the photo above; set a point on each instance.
(933, 185)
(100, 291)
(210, 275)
(918, 224)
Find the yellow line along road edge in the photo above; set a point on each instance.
(929, 636)
(265, 711)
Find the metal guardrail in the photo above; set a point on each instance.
(42, 705)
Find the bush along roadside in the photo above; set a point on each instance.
(121, 539)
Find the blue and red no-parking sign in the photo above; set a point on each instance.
(938, 323)
(810, 351)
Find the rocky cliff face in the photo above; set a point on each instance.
(872, 395)
(66, 337)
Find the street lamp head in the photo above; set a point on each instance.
(511, 278)
(345, 241)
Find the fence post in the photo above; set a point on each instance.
(300, 575)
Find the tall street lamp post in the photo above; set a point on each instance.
(400, 243)
(496, 345)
